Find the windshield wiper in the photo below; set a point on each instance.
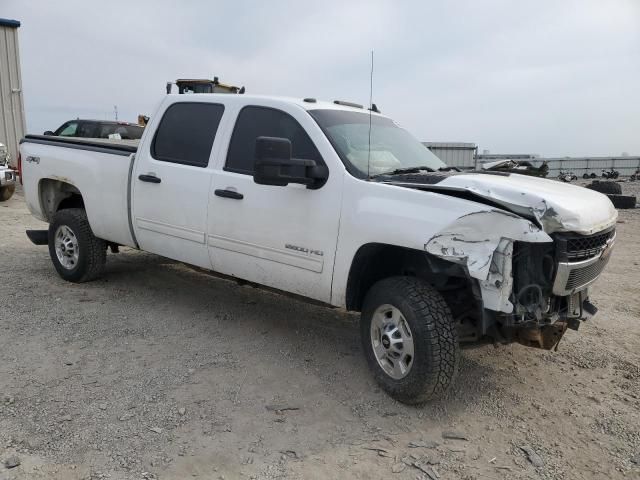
(400, 171)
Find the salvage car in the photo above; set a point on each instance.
(7, 175)
(337, 204)
(521, 167)
(98, 129)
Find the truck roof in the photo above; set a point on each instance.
(105, 122)
(305, 103)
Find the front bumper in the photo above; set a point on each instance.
(7, 177)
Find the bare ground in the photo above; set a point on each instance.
(158, 371)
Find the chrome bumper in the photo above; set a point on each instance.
(7, 176)
(572, 277)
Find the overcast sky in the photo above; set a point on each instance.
(548, 77)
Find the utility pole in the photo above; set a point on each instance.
(115, 109)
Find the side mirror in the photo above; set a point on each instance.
(274, 165)
(48, 132)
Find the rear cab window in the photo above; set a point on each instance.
(186, 133)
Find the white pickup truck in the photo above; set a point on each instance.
(337, 204)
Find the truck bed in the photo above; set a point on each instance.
(98, 168)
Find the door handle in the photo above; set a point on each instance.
(229, 194)
(149, 178)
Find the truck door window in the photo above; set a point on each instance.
(68, 130)
(186, 133)
(254, 122)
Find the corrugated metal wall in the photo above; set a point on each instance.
(454, 154)
(580, 165)
(459, 154)
(12, 121)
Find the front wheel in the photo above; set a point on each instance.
(77, 255)
(409, 338)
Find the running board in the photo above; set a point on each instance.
(38, 237)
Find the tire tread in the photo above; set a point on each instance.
(93, 249)
(430, 376)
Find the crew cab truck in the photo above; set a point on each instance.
(337, 204)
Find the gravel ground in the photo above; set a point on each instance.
(161, 372)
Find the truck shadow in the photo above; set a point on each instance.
(318, 347)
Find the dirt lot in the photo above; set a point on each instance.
(158, 371)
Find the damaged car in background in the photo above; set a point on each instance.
(7, 175)
(339, 204)
(521, 167)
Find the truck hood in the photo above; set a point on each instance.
(555, 206)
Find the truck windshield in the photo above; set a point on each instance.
(392, 147)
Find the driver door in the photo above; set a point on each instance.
(279, 236)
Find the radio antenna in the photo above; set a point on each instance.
(370, 112)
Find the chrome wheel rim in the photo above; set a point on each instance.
(392, 341)
(67, 248)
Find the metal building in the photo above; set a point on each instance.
(490, 157)
(12, 121)
(454, 154)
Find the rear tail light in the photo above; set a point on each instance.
(20, 167)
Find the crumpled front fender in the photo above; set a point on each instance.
(483, 242)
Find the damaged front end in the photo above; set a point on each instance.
(531, 285)
(541, 315)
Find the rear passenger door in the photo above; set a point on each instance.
(171, 180)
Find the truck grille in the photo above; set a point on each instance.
(584, 247)
(585, 275)
(581, 259)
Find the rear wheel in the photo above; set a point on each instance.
(6, 192)
(409, 338)
(77, 255)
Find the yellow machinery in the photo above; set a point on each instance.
(200, 85)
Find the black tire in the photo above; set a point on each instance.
(436, 356)
(92, 251)
(593, 175)
(6, 192)
(605, 187)
(623, 201)
(585, 175)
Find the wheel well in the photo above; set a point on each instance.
(374, 262)
(57, 195)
